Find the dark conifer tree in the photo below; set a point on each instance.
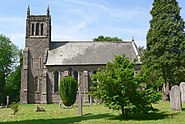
(166, 43)
(68, 89)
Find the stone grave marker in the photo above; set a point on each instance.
(79, 96)
(7, 101)
(91, 100)
(182, 89)
(175, 98)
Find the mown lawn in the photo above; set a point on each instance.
(97, 114)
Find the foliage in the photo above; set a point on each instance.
(68, 89)
(8, 62)
(102, 38)
(142, 100)
(149, 81)
(166, 42)
(13, 81)
(141, 51)
(150, 78)
(15, 107)
(119, 89)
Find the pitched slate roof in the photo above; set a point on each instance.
(89, 53)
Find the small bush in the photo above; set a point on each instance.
(15, 107)
(119, 89)
(68, 89)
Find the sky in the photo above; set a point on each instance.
(81, 20)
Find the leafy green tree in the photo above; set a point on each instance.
(13, 81)
(166, 43)
(119, 89)
(8, 59)
(116, 84)
(68, 89)
(150, 77)
(102, 38)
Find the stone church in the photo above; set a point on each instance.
(46, 62)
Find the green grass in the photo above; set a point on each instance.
(97, 114)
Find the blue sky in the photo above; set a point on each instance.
(81, 19)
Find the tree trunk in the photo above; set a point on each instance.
(165, 91)
(122, 110)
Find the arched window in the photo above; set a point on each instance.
(42, 29)
(56, 78)
(37, 29)
(32, 29)
(37, 81)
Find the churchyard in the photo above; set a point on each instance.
(135, 82)
(97, 114)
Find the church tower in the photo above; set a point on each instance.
(38, 29)
(34, 72)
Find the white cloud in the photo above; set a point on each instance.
(107, 9)
(80, 20)
(88, 4)
(92, 18)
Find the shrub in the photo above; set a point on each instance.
(15, 107)
(68, 89)
(115, 84)
(118, 88)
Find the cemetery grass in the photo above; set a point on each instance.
(97, 114)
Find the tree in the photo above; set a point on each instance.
(68, 89)
(119, 89)
(13, 81)
(166, 43)
(8, 57)
(150, 77)
(102, 38)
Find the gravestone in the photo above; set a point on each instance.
(7, 101)
(182, 89)
(91, 100)
(79, 96)
(175, 98)
(40, 109)
(60, 105)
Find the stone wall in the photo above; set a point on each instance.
(64, 71)
(37, 79)
(34, 73)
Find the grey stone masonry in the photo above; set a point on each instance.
(44, 88)
(175, 98)
(37, 41)
(46, 62)
(24, 77)
(182, 88)
(85, 86)
(80, 103)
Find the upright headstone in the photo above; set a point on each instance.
(79, 96)
(7, 101)
(175, 98)
(85, 86)
(60, 105)
(182, 88)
